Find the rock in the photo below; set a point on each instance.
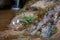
(17, 22)
(58, 25)
(45, 32)
(42, 4)
(10, 34)
(31, 28)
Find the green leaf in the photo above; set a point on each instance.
(29, 19)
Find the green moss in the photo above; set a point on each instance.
(29, 19)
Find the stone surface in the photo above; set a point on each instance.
(42, 4)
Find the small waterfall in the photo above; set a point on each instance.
(16, 5)
(46, 19)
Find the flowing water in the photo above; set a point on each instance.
(16, 5)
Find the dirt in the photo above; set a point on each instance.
(5, 17)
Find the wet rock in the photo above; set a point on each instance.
(46, 32)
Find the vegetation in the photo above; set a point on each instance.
(29, 19)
